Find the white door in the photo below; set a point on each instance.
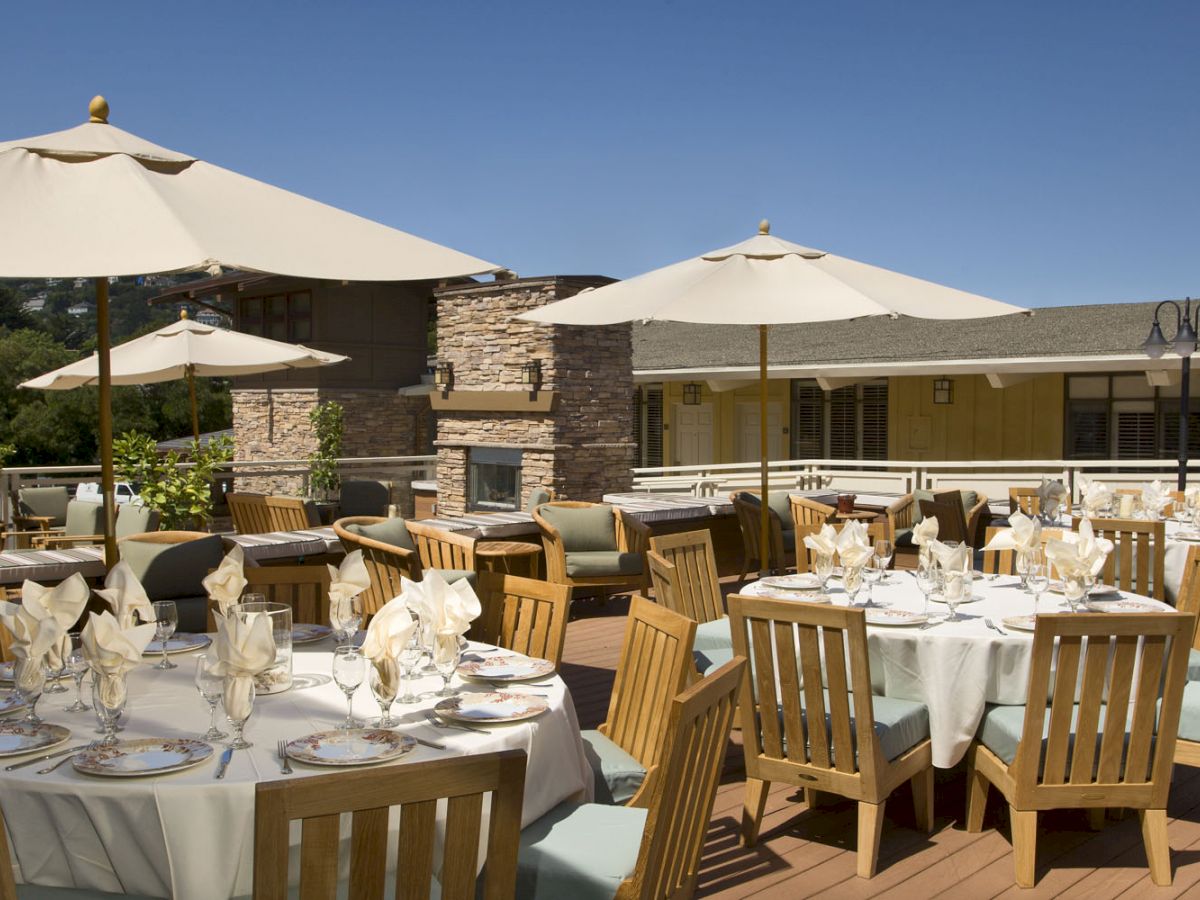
(748, 437)
(693, 441)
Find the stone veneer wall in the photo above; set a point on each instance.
(584, 448)
(273, 424)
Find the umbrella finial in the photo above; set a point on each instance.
(764, 227)
(98, 110)
(183, 312)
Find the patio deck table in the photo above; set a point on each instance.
(189, 836)
(286, 544)
(51, 566)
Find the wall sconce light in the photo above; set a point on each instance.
(531, 373)
(691, 394)
(943, 390)
(443, 375)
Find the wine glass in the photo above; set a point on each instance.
(345, 621)
(108, 699)
(927, 580)
(411, 660)
(1039, 582)
(349, 669)
(384, 677)
(852, 580)
(237, 693)
(166, 618)
(823, 567)
(53, 675)
(954, 591)
(1075, 590)
(873, 573)
(77, 667)
(447, 651)
(884, 551)
(210, 685)
(29, 680)
(1022, 565)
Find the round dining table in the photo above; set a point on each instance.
(955, 668)
(190, 836)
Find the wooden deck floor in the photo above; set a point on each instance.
(810, 853)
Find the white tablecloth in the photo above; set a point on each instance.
(186, 835)
(953, 668)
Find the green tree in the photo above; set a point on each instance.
(326, 419)
(183, 496)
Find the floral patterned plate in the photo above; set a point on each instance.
(355, 747)
(506, 667)
(1020, 623)
(21, 737)
(178, 643)
(804, 581)
(494, 706)
(143, 756)
(307, 634)
(10, 703)
(889, 616)
(6, 672)
(1125, 605)
(1098, 589)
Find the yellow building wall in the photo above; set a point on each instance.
(724, 404)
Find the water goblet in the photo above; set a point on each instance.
(237, 693)
(77, 668)
(823, 568)
(349, 669)
(927, 580)
(852, 580)
(384, 678)
(1022, 564)
(166, 619)
(873, 573)
(345, 621)
(1039, 582)
(1074, 590)
(411, 660)
(29, 680)
(954, 592)
(55, 674)
(884, 551)
(210, 686)
(448, 649)
(108, 699)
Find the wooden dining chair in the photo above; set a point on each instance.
(249, 513)
(644, 854)
(1025, 500)
(386, 563)
(1004, 562)
(689, 561)
(776, 558)
(291, 514)
(1114, 748)
(304, 588)
(1138, 557)
(441, 549)
(1188, 601)
(593, 545)
(809, 512)
(655, 665)
(462, 783)
(523, 615)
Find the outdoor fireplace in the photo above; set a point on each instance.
(493, 479)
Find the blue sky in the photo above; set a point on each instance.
(1040, 153)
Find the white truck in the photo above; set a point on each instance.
(89, 492)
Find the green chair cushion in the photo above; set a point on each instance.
(579, 851)
(781, 504)
(390, 531)
(969, 499)
(904, 537)
(537, 497)
(711, 658)
(1194, 666)
(1189, 713)
(170, 571)
(37, 892)
(45, 501)
(1000, 730)
(618, 775)
(599, 563)
(918, 496)
(713, 635)
(364, 498)
(84, 518)
(899, 724)
(453, 575)
(584, 529)
(136, 518)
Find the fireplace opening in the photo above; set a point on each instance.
(493, 479)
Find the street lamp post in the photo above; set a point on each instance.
(1185, 345)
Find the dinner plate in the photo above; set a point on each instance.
(6, 672)
(804, 581)
(143, 756)
(21, 737)
(796, 596)
(1185, 536)
(506, 667)
(1124, 605)
(307, 634)
(10, 703)
(178, 643)
(493, 706)
(1097, 591)
(891, 616)
(352, 747)
(1020, 623)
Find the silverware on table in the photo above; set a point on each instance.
(50, 768)
(224, 763)
(439, 723)
(37, 759)
(931, 623)
(992, 625)
(433, 745)
(519, 688)
(285, 764)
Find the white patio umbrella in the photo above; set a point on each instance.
(767, 281)
(185, 349)
(96, 201)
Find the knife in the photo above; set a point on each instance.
(224, 763)
(38, 759)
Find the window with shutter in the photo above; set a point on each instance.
(843, 424)
(648, 422)
(1168, 417)
(808, 420)
(874, 421)
(1133, 431)
(1087, 430)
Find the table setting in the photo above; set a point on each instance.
(130, 793)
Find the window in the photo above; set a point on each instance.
(280, 317)
(1125, 417)
(845, 423)
(647, 425)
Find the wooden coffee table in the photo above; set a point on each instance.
(509, 557)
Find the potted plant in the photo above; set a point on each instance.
(323, 478)
(182, 495)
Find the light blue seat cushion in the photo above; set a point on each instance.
(579, 852)
(899, 724)
(596, 563)
(390, 531)
(711, 658)
(1189, 714)
(1000, 731)
(713, 635)
(36, 892)
(618, 775)
(1194, 665)
(453, 575)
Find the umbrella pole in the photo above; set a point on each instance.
(191, 378)
(764, 534)
(107, 486)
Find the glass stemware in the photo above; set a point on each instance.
(349, 669)
(1039, 582)
(955, 589)
(210, 686)
(345, 623)
(29, 680)
(384, 679)
(852, 580)
(884, 551)
(77, 667)
(447, 651)
(927, 580)
(108, 699)
(166, 620)
(411, 661)
(823, 568)
(54, 675)
(237, 693)
(873, 573)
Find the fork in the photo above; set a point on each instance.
(992, 625)
(285, 764)
(438, 723)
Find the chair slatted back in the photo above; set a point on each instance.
(900, 515)
(698, 587)
(806, 558)
(1118, 746)
(1025, 500)
(1004, 562)
(249, 512)
(809, 512)
(1138, 557)
(304, 588)
(787, 644)
(417, 787)
(1189, 588)
(694, 752)
(523, 615)
(952, 521)
(441, 549)
(655, 664)
(750, 523)
(288, 514)
(386, 564)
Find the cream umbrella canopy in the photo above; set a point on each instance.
(767, 281)
(185, 349)
(95, 201)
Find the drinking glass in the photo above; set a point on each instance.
(29, 680)
(927, 580)
(1075, 590)
(447, 651)
(884, 551)
(345, 626)
(955, 589)
(77, 667)
(349, 669)
(823, 567)
(873, 573)
(166, 618)
(1022, 566)
(237, 693)
(384, 677)
(1039, 582)
(411, 660)
(852, 580)
(54, 675)
(108, 698)
(210, 686)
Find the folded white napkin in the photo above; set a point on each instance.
(1025, 533)
(854, 549)
(32, 639)
(925, 531)
(64, 603)
(112, 652)
(485, 710)
(824, 542)
(1051, 495)
(226, 582)
(346, 582)
(1096, 495)
(1079, 554)
(245, 647)
(951, 559)
(1155, 496)
(389, 633)
(126, 596)
(445, 608)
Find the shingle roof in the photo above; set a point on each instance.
(1081, 331)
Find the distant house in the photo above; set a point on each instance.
(79, 309)
(53, 282)
(80, 282)
(212, 317)
(35, 304)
